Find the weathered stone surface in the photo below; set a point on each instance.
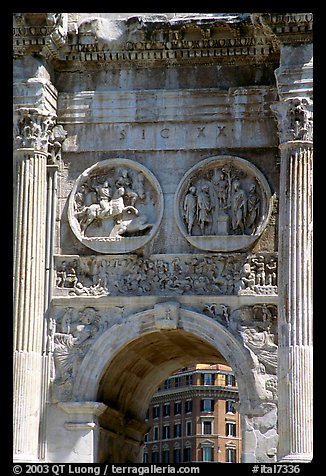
(149, 185)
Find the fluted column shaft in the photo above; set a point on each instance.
(294, 114)
(295, 304)
(29, 255)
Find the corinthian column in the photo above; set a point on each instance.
(295, 371)
(30, 159)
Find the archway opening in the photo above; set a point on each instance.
(193, 417)
(130, 381)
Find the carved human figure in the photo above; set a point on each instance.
(80, 198)
(113, 208)
(104, 195)
(71, 343)
(262, 344)
(271, 278)
(260, 270)
(239, 208)
(248, 277)
(87, 326)
(204, 208)
(253, 209)
(190, 208)
(125, 182)
(222, 190)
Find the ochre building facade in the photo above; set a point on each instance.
(193, 417)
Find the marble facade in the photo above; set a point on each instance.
(163, 216)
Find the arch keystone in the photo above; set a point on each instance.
(166, 315)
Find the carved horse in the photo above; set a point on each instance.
(114, 209)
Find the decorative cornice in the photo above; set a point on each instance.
(42, 33)
(228, 38)
(196, 391)
(290, 27)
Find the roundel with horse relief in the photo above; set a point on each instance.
(115, 206)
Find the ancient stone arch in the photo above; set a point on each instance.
(121, 370)
(162, 189)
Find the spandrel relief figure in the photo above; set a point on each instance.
(112, 202)
(75, 333)
(233, 204)
(261, 342)
(257, 328)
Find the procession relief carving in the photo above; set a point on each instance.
(223, 204)
(115, 206)
(218, 274)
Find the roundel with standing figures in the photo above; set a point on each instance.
(223, 204)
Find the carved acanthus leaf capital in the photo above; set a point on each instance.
(37, 129)
(294, 119)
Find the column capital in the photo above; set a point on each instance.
(295, 121)
(36, 129)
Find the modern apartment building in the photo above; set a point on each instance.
(192, 417)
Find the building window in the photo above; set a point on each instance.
(207, 405)
(155, 456)
(165, 456)
(155, 433)
(147, 415)
(187, 454)
(167, 384)
(230, 429)
(156, 411)
(207, 379)
(177, 455)
(166, 409)
(177, 430)
(230, 380)
(166, 432)
(177, 408)
(146, 437)
(145, 457)
(188, 406)
(207, 427)
(177, 382)
(208, 454)
(188, 428)
(231, 455)
(189, 379)
(229, 407)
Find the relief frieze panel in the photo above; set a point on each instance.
(121, 275)
(223, 204)
(115, 206)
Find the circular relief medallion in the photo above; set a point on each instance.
(223, 204)
(115, 206)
